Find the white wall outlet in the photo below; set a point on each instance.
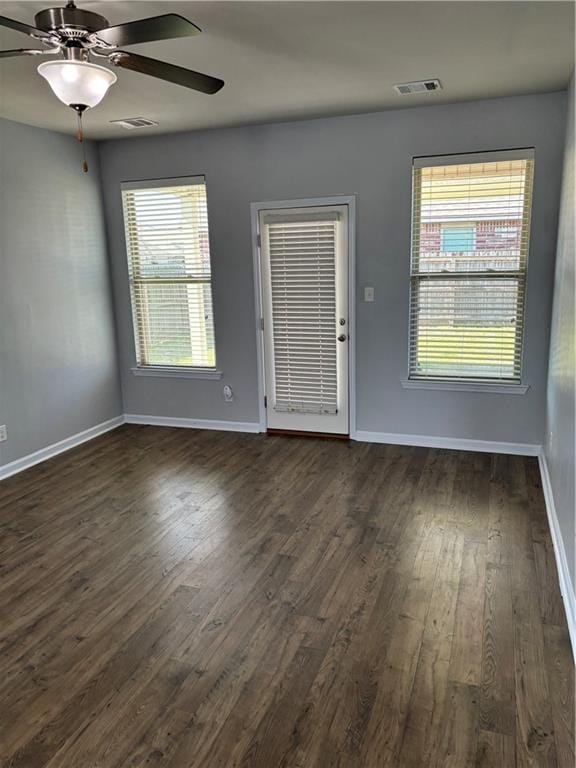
(3, 433)
(228, 394)
(369, 293)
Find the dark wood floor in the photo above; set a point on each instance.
(200, 599)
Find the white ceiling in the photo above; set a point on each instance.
(293, 60)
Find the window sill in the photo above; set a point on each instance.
(177, 373)
(466, 386)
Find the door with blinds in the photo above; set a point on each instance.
(304, 278)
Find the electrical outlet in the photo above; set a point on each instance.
(3, 433)
(228, 394)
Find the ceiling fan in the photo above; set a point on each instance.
(77, 35)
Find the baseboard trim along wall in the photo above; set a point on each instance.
(453, 443)
(50, 451)
(392, 438)
(566, 589)
(170, 421)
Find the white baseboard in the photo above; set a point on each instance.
(7, 470)
(454, 443)
(566, 588)
(171, 421)
(56, 448)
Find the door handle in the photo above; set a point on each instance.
(342, 337)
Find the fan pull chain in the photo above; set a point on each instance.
(80, 137)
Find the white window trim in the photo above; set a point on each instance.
(473, 157)
(159, 371)
(454, 385)
(174, 181)
(487, 387)
(177, 372)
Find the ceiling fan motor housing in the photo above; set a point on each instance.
(80, 23)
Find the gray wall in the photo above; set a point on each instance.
(58, 373)
(369, 156)
(560, 435)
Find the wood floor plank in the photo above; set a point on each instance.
(458, 741)
(535, 744)
(562, 690)
(495, 750)
(466, 656)
(497, 690)
(192, 599)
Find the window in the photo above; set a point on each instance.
(507, 233)
(166, 226)
(456, 239)
(470, 232)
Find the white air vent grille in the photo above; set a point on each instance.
(418, 86)
(129, 123)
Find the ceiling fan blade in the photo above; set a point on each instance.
(20, 27)
(22, 52)
(170, 72)
(164, 27)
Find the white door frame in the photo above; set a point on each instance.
(255, 208)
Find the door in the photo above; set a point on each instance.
(304, 280)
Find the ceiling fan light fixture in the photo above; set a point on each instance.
(77, 83)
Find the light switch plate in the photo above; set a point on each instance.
(368, 293)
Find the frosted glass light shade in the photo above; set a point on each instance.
(77, 82)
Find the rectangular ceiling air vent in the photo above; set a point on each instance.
(129, 123)
(418, 86)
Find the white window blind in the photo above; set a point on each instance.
(470, 234)
(166, 225)
(302, 255)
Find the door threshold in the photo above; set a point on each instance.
(302, 433)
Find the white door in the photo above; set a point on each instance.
(304, 275)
